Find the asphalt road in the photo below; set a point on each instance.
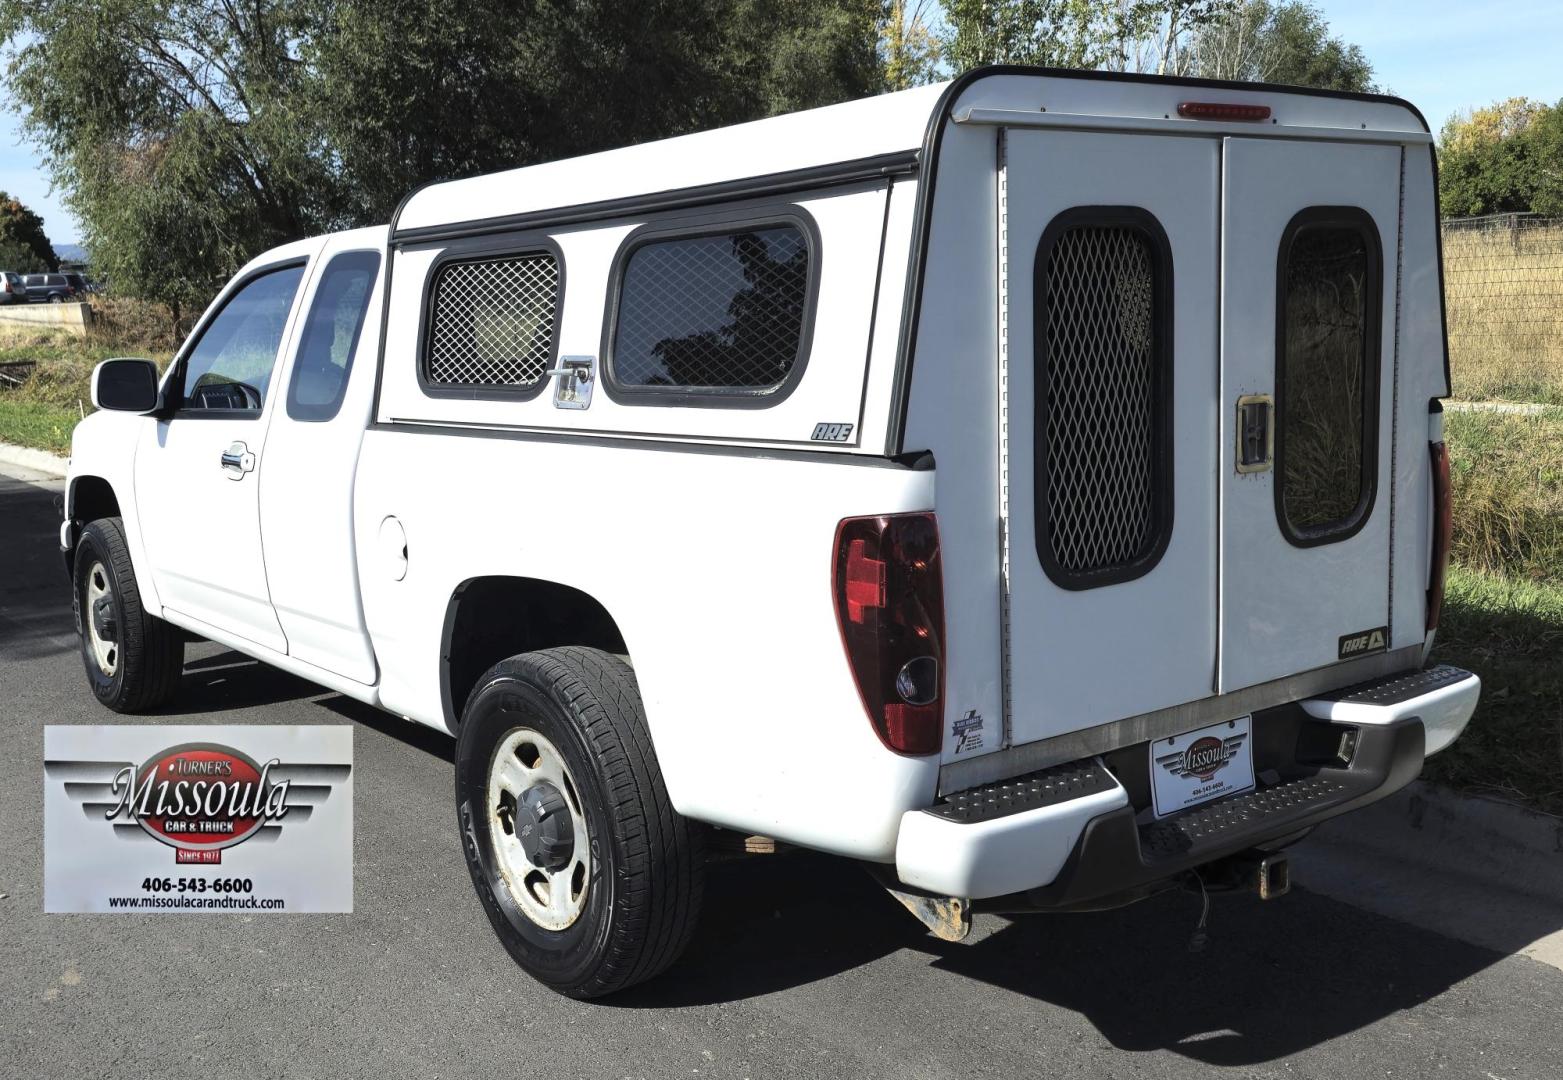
(801, 968)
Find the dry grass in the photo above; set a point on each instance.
(1503, 289)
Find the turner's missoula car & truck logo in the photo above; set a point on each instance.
(274, 802)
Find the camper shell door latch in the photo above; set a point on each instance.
(575, 374)
(1255, 432)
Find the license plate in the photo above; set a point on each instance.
(1198, 766)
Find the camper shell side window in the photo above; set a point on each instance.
(1329, 290)
(712, 309)
(490, 324)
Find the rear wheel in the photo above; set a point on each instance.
(133, 659)
(590, 878)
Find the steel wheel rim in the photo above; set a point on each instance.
(105, 653)
(555, 899)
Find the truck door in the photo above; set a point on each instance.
(1109, 455)
(306, 485)
(1309, 237)
(196, 467)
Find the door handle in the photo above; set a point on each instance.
(1255, 432)
(237, 460)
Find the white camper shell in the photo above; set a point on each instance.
(1032, 486)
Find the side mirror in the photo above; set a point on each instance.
(125, 384)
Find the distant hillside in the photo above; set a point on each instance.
(71, 253)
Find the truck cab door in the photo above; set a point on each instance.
(306, 501)
(196, 469)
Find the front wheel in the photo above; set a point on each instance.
(590, 878)
(133, 659)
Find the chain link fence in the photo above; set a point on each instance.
(1503, 285)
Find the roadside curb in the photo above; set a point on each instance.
(1479, 870)
(37, 460)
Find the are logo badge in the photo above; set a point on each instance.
(1364, 642)
(831, 433)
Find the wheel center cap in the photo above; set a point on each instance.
(103, 619)
(543, 826)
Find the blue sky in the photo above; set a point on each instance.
(1442, 55)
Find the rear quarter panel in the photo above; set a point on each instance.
(716, 565)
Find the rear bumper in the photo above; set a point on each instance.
(1072, 834)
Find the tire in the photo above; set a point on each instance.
(643, 864)
(141, 670)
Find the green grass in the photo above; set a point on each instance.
(42, 411)
(40, 426)
(1508, 486)
(1510, 632)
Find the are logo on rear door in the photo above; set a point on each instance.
(1364, 642)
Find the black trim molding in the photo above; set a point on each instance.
(883, 166)
(1146, 225)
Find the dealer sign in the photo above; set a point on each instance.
(198, 818)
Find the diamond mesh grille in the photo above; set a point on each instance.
(493, 321)
(1100, 323)
(719, 311)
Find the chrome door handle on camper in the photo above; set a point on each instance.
(1255, 432)
(237, 460)
(574, 388)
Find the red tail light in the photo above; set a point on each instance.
(1215, 110)
(1443, 531)
(889, 588)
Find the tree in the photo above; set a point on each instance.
(1109, 35)
(909, 44)
(1505, 158)
(23, 246)
(1286, 42)
(188, 135)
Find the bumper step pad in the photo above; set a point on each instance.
(1399, 689)
(1046, 787)
(1257, 812)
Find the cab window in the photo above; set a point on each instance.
(330, 337)
(229, 368)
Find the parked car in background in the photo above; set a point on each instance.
(79, 283)
(49, 288)
(12, 288)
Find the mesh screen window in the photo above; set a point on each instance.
(1103, 290)
(1329, 291)
(492, 323)
(721, 312)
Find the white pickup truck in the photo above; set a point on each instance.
(1032, 487)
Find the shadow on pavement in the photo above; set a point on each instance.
(1275, 978)
(35, 595)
